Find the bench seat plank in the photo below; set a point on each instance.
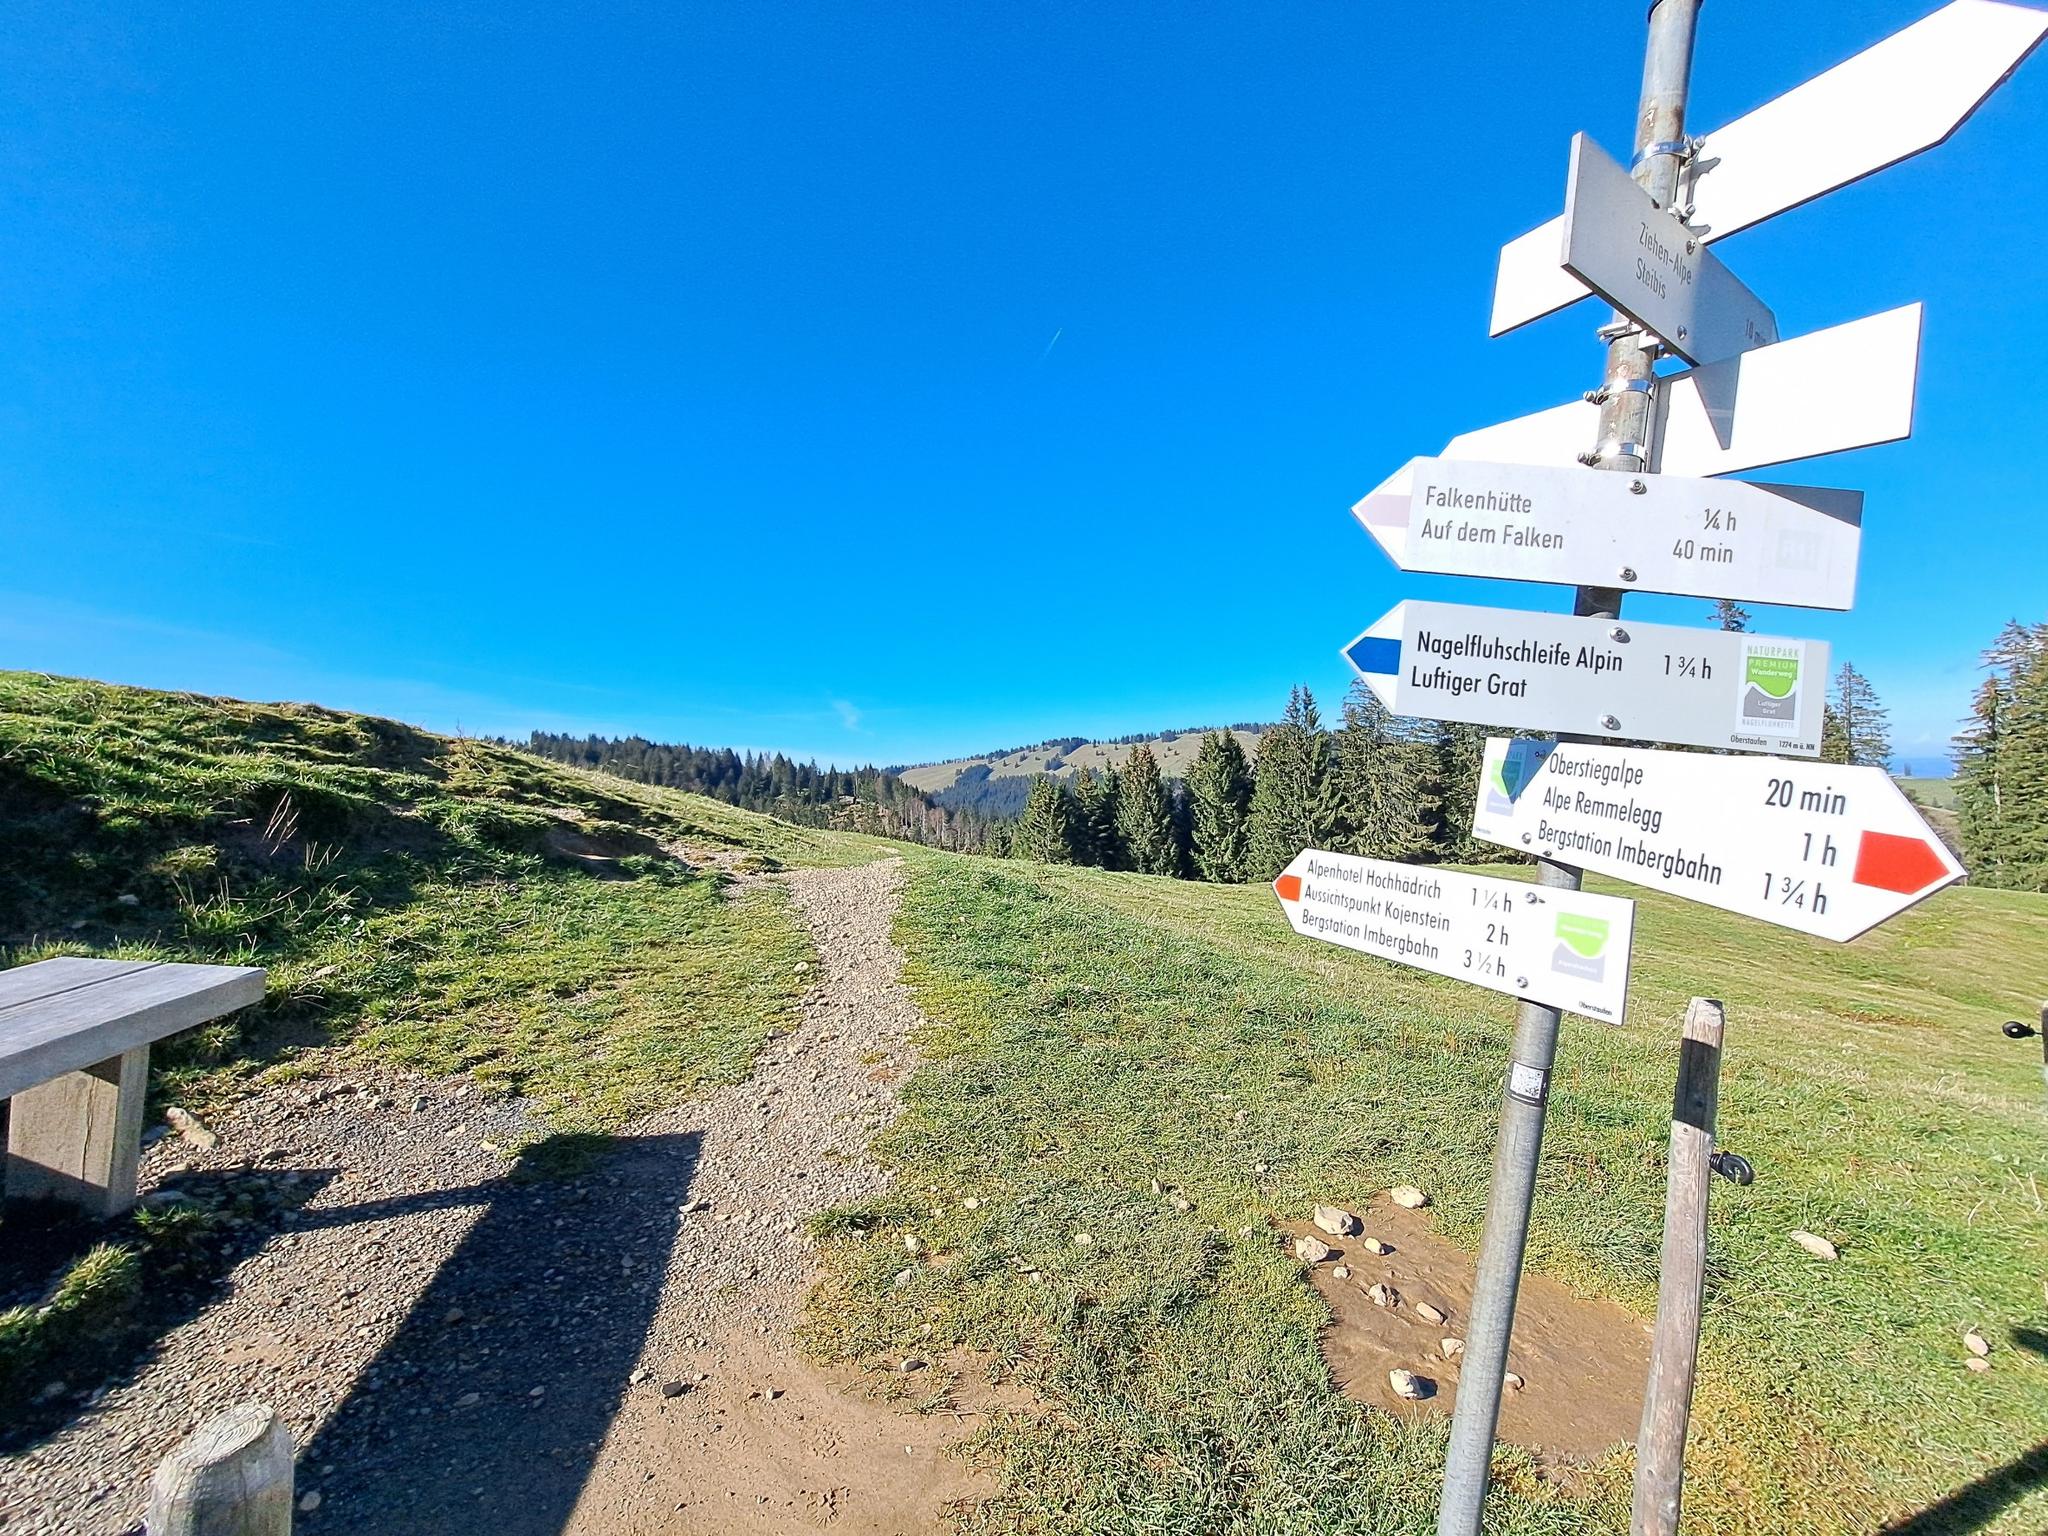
(46, 978)
(89, 1019)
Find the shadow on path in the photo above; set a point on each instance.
(486, 1409)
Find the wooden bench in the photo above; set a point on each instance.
(74, 1062)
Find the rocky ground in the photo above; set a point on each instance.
(458, 1348)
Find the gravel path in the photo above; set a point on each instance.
(452, 1348)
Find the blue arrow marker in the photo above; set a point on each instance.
(1375, 655)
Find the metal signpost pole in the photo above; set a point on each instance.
(1627, 420)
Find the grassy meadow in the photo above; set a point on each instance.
(1096, 1032)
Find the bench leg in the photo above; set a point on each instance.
(79, 1137)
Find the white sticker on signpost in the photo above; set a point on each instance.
(1566, 949)
(1886, 104)
(1784, 544)
(1606, 677)
(1821, 847)
(1643, 260)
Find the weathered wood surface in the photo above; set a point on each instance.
(1674, 1352)
(78, 1137)
(232, 1476)
(59, 1016)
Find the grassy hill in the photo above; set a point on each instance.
(422, 900)
(1175, 750)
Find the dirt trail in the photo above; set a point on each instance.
(457, 1350)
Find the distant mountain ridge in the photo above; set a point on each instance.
(995, 783)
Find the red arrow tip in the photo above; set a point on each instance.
(1288, 887)
(1888, 862)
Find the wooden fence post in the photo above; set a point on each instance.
(232, 1476)
(1674, 1354)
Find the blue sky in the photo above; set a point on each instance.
(690, 369)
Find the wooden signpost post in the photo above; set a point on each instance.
(1827, 849)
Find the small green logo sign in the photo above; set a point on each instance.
(1775, 675)
(1587, 935)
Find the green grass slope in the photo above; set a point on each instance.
(426, 901)
(1099, 1031)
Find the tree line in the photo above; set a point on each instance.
(855, 799)
(1378, 785)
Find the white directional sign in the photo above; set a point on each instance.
(1887, 104)
(1568, 949)
(1582, 527)
(1819, 847)
(1642, 259)
(1849, 386)
(1605, 677)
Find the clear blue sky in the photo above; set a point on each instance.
(685, 369)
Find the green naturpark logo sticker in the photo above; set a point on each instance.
(1581, 946)
(1775, 675)
(1770, 687)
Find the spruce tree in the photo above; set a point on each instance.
(1459, 756)
(1287, 788)
(1731, 615)
(1855, 728)
(2002, 765)
(1219, 791)
(1379, 801)
(1144, 815)
(1045, 830)
(1096, 838)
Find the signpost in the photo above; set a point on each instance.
(1566, 948)
(1640, 257)
(1849, 386)
(1821, 847)
(1886, 104)
(1658, 533)
(1562, 672)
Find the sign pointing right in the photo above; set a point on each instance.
(1821, 847)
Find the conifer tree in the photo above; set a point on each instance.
(1287, 788)
(1459, 753)
(1045, 830)
(1731, 615)
(1097, 840)
(1219, 794)
(1144, 815)
(2002, 765)
(1855, 728)
(1379, 800)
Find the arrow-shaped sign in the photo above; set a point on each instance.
(1581, 527)
(1820, 847)
(1887, 104)
(1569, 949)
(1613, 677)
(1849, 386)
(1642, 259)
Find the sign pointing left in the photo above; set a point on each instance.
(1657, 533)
(1607, 677)
(1569, 949)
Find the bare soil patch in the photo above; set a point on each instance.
(1582, 1362)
